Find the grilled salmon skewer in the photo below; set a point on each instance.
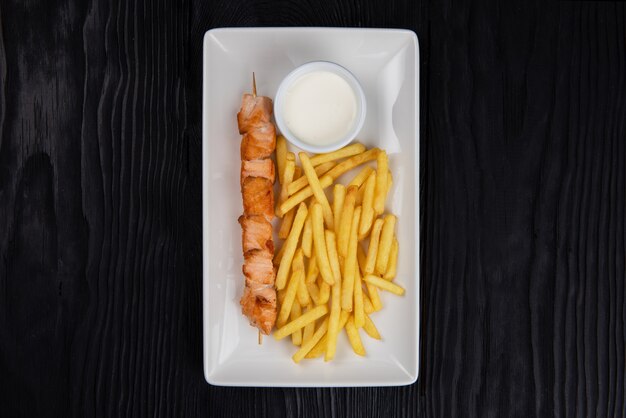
(258, 302)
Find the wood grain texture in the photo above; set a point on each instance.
(523, 260)
(522, 194)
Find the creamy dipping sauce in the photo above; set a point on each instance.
(320, 108)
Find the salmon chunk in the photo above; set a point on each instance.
(258, 143)
(258, 267)
(256, 233)
(258, 168)
(255, 112)
(258, 197)
(259, 305)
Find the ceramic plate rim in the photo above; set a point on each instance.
(413, 374)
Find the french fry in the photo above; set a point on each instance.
(335, 309)
(309, 329)
(318, 190)
(313, 270)
(298, 262)
(292, 289)
(360, 194)
(343, 319)
(314, 292)
(303, 293)
(345, 222)
(306, 347)
(297, 172)
(339, 195)
(296, 311)
(361, 258)
(319, 244)
(341, 283)
(290, 245)
(337, 171)
(333, 258)
(333, 322)
(290, 157)
(380, 193)
(384, 284)
(324, 291)
(303, 194)
(350, 263)
(301, 322)
(279, 255)
(323, 168)
(281, 157)
(288, 175)
(370, 328)
(320, 347)
(307, 235)
(388, 189)
(359, 312)
(352, 162)
(296, 195)
(302, 182)
(390, 274)
(368, 308)
(372, 251)
(354, 338)
(347, 151)
(285, 225)
(384, 247)
(360, 178)
(281, 296)
(292, 172)
(374, 296)
(367, 215)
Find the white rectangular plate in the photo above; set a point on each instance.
(386, 64)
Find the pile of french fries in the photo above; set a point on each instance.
(326, 280)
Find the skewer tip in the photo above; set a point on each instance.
(253, 84)
(260, 338)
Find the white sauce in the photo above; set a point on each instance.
(320, 108)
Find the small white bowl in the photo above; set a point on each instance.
(308, 68)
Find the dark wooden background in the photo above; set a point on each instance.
(523, 196)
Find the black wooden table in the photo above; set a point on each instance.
(523, 196)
